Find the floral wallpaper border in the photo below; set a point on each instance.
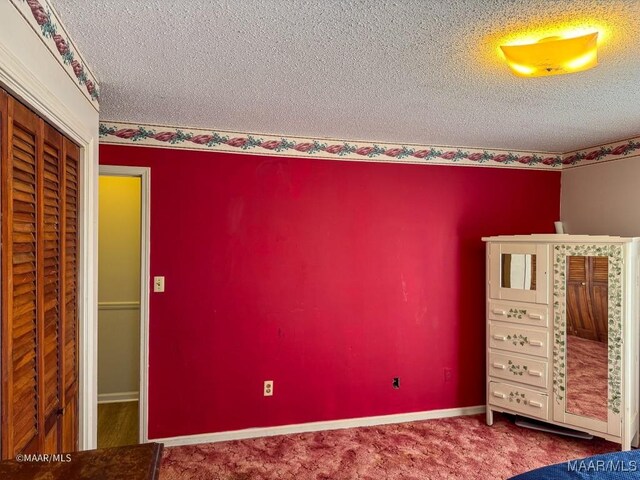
(614, 252)
(237, 142)
(611, 151)
(46, 23)
(240, 142)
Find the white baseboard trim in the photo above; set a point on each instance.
(317, 426)
(118, 397)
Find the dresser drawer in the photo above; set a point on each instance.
(519, 399)
(524, 313)
(518, 340)
(518, 369)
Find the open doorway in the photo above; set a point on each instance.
(123, 293)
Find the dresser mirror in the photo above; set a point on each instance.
(518, 271)
(587, 336)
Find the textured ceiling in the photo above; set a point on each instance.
(421, 71)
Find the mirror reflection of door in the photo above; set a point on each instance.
(587, 336)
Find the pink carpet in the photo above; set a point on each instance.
(452, 448)
(587, 377)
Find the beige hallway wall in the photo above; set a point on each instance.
(119, 286)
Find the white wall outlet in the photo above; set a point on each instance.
(158, 284)
(268, 388)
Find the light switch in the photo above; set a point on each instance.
(158, 284)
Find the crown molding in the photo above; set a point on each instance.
(46, 23)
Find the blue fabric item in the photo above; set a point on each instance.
(608, 466)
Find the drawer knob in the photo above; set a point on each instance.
(498, 311)
(535, 343)
(500, 338)
(499, 395)
(535, 316)
(535, 373)
(535, 404)
(499, 366)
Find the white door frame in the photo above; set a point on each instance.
(144, 174)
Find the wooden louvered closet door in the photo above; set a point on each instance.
(39, 246)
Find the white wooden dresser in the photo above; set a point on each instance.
(562, 332)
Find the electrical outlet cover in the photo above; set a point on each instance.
(268, 388)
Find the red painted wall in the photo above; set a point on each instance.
(328, 277)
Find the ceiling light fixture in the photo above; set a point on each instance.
(553, 55)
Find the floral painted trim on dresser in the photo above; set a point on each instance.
(517, 369)
(236, 142)
(46, 23)
(614, 253)
(518, 339)
(517, 397)
(516, 313)
(611, 151)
